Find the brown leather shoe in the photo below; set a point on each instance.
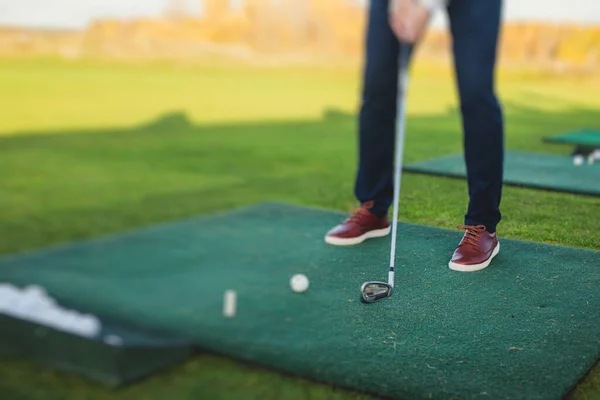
(476, 250)
(357, 228)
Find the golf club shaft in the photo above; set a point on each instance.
(399, 150)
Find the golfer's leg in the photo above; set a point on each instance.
(374, 180)
(475, 26)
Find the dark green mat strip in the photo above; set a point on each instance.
(534, 170)
(115, 357)
(588, 138)
(527, 327)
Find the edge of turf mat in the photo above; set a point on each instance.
(507, 332)
(521, 171)
(116, 358)
(582, 137)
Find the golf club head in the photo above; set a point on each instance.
(370, 292)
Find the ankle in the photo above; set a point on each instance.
(376, 209)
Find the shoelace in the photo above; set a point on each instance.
(472, 234)
(359, 215)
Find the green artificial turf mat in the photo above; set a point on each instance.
(588, 138)
(534, 170)
(525, 328)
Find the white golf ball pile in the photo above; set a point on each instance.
(592, 157)
(33, 304)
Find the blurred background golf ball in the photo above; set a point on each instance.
(299, 283)
(578, 159)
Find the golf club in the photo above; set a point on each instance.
(373, 291)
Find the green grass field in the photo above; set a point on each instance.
(88, 149)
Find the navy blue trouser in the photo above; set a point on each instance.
(475, 26)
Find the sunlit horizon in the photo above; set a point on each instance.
(73, 14)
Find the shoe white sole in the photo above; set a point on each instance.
(359, 239)
(475, 267)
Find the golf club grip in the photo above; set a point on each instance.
(403, 62)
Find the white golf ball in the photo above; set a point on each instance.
(113, 340)
(578, 160)
(299, 283)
